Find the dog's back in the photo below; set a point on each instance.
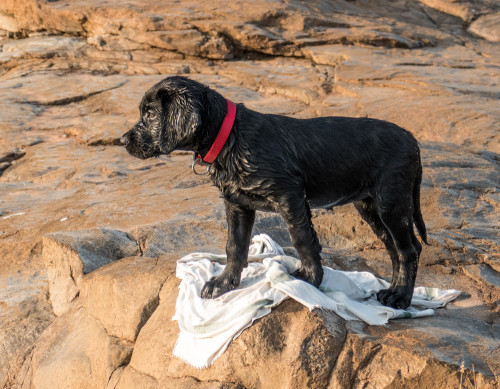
(340, 159)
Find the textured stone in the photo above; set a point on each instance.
(35, 15)
(8, 23)
(70, 255)
(25, 313)
(123, 297)
(291, 347)
(465, 10)
(487, 27)
(76, 352)
(290, 334)
(42, 47)
(129, 378)
(181, 237)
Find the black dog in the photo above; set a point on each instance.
(276, 163)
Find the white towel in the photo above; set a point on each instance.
(207, 326)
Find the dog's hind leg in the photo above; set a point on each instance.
(399, 221)
(239, 227)
(297, 214)
(368, 212)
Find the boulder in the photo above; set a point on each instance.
(25, 313)
(289, 348)
(122, 298)
(487, 27)
(465, 10)
(303, 346)
(182, 236)
(75, 352)
(35, 15)
(70, 255)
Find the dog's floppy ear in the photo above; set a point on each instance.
(168, 140)
(189, 123)
(165, 97)
(180, 119)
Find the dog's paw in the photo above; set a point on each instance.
(397, 297)
(313, 276)
(219, 285)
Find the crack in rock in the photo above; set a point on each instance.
(71, 99)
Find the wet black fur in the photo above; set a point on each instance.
(276, 163)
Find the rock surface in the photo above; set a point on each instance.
(75, 352)
(487, 27)
(71, 77)
(312, 349)
(69, 255)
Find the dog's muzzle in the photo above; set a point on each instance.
(125, 139)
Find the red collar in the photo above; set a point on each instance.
(221, 138)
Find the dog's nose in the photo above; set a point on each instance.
(125, 139)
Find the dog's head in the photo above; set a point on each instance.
(170, 118)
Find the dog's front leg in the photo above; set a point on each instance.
(297, 214)
(239, 227)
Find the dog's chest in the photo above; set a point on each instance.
(248, 199)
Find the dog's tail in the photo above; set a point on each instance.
(417, 215)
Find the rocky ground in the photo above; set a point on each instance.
(72, 200)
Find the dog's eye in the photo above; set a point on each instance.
(150, 115)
